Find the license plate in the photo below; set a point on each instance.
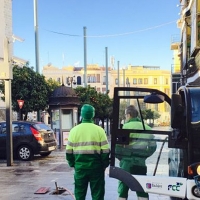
(51, 148)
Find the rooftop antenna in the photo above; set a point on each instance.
(112, 61)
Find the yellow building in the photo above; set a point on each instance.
(131, 76)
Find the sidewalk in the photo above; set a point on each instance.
(23, 179)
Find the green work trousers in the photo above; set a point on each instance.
(96, 179)
(128, 166)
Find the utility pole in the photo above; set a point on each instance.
(124, 78)
(118, 73)
(36, 45)
(85, 57)
(106, 55)
(36, 36)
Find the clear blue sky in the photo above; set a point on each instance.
(136, 32)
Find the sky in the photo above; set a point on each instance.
(136, 32)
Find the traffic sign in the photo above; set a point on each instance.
(20, 103)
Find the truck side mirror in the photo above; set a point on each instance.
(154, 98)
(176, 111)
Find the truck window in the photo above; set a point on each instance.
(195, 105)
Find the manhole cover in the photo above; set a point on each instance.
(62, 168)
(58, 191)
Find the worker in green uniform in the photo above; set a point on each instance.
(88, 152)
(132, 157)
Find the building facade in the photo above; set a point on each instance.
(131, 76)
(189, 24)
(6, 31)
(5, 25)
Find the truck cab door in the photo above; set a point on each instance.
(154, 110)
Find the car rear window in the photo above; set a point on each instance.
(41, 126)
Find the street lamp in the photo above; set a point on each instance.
(128, 92)
(71, 81)
(127, 82)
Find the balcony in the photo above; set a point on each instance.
(175, 42)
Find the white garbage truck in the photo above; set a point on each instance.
(175, 125)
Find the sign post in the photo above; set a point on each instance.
(20, 103)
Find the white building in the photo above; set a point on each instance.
(5, 25)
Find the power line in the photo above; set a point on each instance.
(113, 35)
(72, 35)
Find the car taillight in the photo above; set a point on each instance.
(36, 134)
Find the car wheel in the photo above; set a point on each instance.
(25, 153)
(45, 154)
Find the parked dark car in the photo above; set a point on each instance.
(29, 138)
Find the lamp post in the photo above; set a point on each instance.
(128, 92)
(124, 78)
(71, 81)
(127, 82)
(118, 83)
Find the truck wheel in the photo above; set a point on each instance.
(25, 153)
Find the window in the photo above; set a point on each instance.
(78, 80)
(3, 128)
(104, 90)
(15, 128)
(94, 78)
(88, 79)
(166, 81)
(104, 80)
(140, 81)
(116, 81)
(145, 80)
(155, 80)
(195, 108)
(134, 81)
(58, 79)
(18, 128)
(98, 78)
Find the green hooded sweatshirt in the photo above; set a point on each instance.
(137, 150)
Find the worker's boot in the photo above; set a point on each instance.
(121, 198)
(143, 198)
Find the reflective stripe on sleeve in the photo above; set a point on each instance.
(92, 143)
(86, 151)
